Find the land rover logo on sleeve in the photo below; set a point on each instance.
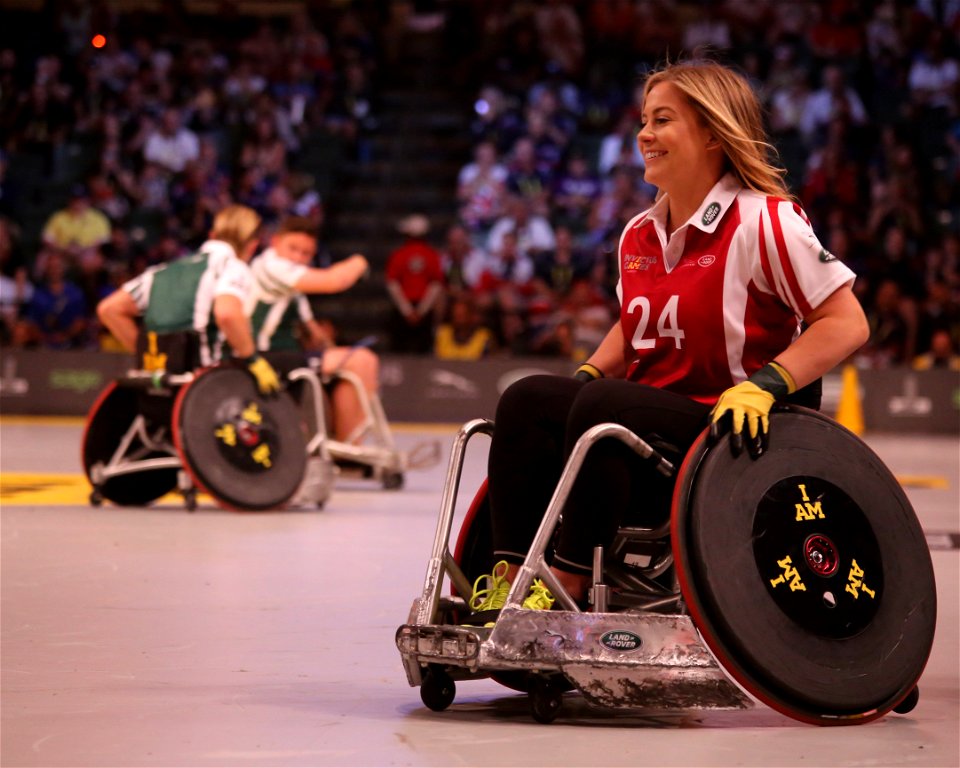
(711, 213)
(621, 640)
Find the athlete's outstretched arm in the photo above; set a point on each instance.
(118, 313)
(835, 330)
(608, 356)
(335, 278)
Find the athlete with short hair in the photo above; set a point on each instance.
(204, 294)
(283, 320)
(716, 281)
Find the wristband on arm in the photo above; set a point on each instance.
(588, 372)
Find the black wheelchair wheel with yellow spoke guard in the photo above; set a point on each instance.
(806, 571)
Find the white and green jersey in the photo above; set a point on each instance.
(275, 306)
(179, 296)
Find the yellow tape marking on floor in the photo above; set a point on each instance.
(937, 482)
(23, 489)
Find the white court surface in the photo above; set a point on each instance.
(157, 637)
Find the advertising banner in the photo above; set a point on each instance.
(421, 389)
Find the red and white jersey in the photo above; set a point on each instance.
(725, 295)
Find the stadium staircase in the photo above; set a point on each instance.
(421, 142)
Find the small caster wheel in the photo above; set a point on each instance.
(190, 500)
(545, 699)
(96, 497)
(392, 481)
(909, 702)
(437, 690)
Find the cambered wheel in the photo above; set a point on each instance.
(244, 449)
(806, 571)
(437, 690)
(109, 419)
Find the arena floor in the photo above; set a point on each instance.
(157, 637)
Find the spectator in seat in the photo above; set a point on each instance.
(78, 229)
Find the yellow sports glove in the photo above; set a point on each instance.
(267, 380)
(750, 402)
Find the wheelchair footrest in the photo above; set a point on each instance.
(459, 646)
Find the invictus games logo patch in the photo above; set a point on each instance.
(633, 262)
(621, 640)
(711, 213)
(826, 256)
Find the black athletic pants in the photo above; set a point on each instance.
(539, 419)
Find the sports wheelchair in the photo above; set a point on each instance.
(173, 425)
(369, 451)
(801, 580)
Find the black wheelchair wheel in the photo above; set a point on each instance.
(108, 420)
(473, 551)
(806, 570)
(244, 449)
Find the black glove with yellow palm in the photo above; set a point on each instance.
(750, 401)
(268, 383)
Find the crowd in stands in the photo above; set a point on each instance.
(863, 100)
(126, 133)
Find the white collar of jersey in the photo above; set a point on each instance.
(715, 204)
(708, 215)
(218, 247)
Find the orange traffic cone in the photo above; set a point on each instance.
(850, 407)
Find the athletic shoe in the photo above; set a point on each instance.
(486, 603)
(494, 595)
(539, 598)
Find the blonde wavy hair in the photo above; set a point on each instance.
(236, 225)
(730, 109)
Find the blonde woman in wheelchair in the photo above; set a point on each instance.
(717, 280)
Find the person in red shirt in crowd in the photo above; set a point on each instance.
(415, 285)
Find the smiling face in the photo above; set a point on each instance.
(675, 143)
(295, 246)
